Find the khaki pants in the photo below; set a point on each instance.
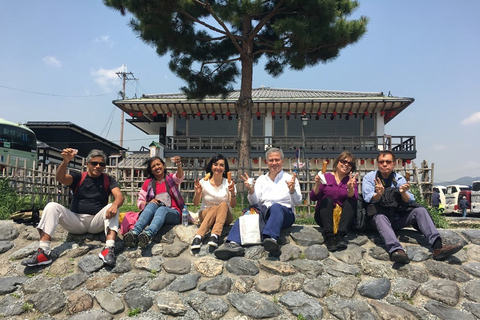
(214, 217)
(76, 223)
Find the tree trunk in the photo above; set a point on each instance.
(245, 102)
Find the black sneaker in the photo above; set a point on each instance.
(331, 244)
(270, 245)
(213, 242)
(229, 250)
(196, 243)
(143, 239)
(341, 242)
(108, 256)
(130, 239)
(39, 258)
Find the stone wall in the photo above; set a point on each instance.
(167, 280)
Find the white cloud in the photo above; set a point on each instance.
(472, 119)
(107, 78)
(52, 61)
(438, 147)
(104, 39)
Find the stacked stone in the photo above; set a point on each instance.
(167, 280)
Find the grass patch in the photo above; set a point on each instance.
(26, 307)
(438, 218)
(11, 201)
(134, 312)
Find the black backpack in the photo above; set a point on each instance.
(28, 216)
(361, 223)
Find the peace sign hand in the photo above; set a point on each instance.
(379, 188)
(198, 187)
(352, 181)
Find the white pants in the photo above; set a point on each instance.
(76, 223)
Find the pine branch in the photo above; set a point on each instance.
(266, 19)
(227, 31)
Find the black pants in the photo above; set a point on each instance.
(324, 216)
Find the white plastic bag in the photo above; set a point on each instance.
(250, 229)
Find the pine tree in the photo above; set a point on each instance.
(214, 43)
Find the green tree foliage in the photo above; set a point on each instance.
(215, 43)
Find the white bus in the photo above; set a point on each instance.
(18, 145)
(475, 197)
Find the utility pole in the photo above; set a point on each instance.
(125, 76)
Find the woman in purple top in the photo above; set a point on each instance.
(338, 187)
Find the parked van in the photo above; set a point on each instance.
(468, 195)
(452, 197)
(442, 190)
(475, 197)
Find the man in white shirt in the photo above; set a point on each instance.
(279, 192)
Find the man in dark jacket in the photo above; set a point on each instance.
(392, 208)
(464, 205)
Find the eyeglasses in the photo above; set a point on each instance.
(385, 161)
(95, 163)
(347, 163)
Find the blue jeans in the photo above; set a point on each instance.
(278, 217)
(464, 212)
(154, 217)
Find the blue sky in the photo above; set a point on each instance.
(59, 58)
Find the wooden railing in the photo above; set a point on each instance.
(397, 143)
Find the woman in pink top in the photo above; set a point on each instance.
(338, 187)
(160, 202)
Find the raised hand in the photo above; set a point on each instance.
(177, 160)
(291, 183)
(404, 187)
(379, 188)
(352, 181)
(231, 187)
(198, 187)
(250, 186)
(68, 154)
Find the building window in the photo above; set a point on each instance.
(180, 126)
(211, 127)
(257, 127)
(324, 126)
(279, 127)
(368, 126)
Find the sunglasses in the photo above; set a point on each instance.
(347, 163)
(95, 163)
(385, 161)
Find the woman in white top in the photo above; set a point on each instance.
(218, 196)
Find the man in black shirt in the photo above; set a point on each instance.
(89, 212)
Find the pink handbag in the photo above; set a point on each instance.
(129, 220)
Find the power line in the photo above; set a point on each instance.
(57, 95)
